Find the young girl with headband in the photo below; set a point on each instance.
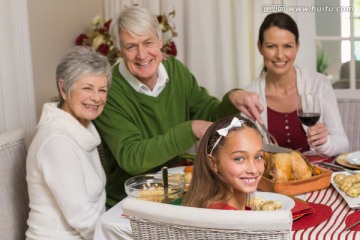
(228, 166)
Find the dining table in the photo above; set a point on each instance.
(114, 225)
(334, 227)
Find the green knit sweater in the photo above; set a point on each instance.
(141, 133)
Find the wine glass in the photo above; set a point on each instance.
(308, 111)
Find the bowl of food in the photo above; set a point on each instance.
(150, 187)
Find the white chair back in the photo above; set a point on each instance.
(151, 220)
(14, 200)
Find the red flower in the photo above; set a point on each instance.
(103, 49)
(81, 39)
(170, 48)
(159, 18)
(107, 25)
(102, 30)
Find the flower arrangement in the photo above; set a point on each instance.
(100, 39)
(169, 33)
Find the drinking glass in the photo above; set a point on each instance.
(308, 111)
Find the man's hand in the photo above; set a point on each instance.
(247, 103)
(199, 127)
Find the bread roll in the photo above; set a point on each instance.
(357, 177)
(345, 185)
(338, 178)
(354, 190)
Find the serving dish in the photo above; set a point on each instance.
(297, 187)
(150, 187)
(352, 202)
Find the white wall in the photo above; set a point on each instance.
(54, 26)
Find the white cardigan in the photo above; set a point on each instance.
(308, 83)
(65, 178)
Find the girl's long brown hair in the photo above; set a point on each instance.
(207, 186)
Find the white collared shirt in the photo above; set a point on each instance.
(161, 81)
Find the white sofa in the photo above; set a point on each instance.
(14, 200)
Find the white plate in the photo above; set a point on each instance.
(287, 202)
(354, 158)
(352, 202)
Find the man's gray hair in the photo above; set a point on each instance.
(137, 21)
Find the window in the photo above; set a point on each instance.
(338, 42)
(346, 19)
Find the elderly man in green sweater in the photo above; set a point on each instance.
(155, 109)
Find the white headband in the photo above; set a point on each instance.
(223, 132)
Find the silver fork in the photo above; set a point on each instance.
(352, 226)
(269, 136)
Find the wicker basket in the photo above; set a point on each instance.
(297, 187)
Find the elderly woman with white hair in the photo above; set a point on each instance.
(66, 181)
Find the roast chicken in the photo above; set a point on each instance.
(284, 167)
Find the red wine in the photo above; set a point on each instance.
(309, 119)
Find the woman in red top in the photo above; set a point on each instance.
(228, 165)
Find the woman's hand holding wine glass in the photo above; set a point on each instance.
(308, 111)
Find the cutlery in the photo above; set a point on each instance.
(337, 167)
(275, 149)
(352, 226)
(165, 178)
(269, 136)
(272, 145)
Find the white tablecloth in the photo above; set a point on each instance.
(113, 225)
